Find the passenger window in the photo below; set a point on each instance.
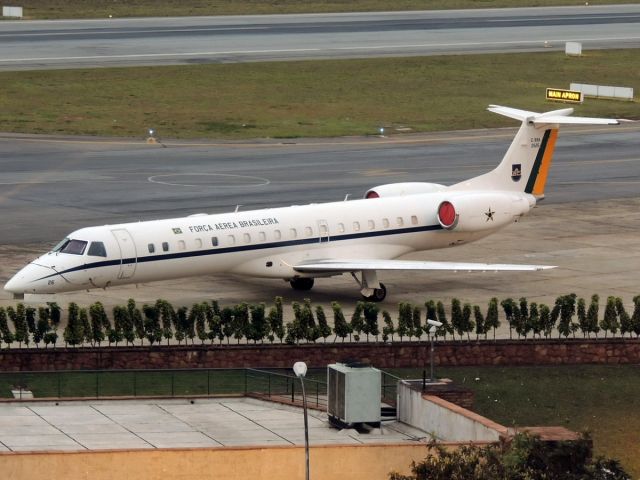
(324, 230)
(414, 220)
(247, 238)
(214, 241)
(356, 226)
(96, 249)
(341, 227)
(165, 246)
(371, 224)
(400, 221)
(231, 239)
(198, 243)
(262, 236)
(181, 245)
(74, 247)
(277, 235)
(293, 233)
(152, 248)
(385, 222)
(308, 231)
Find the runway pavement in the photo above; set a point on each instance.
(589, 224)
(188, 40)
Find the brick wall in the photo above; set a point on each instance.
(398, 354)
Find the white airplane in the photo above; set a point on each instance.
(300, 243)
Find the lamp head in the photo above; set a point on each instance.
(300, 369)
(434, 323)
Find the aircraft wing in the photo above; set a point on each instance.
(343, 265)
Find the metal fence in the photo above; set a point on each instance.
(164, 383)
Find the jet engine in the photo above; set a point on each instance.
(400, 189)
(477, 211)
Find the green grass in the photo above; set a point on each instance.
(306, 99)
(604, 400)
(159, 8)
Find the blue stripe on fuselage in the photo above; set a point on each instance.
(243, 248)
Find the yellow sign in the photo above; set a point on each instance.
(558, 95)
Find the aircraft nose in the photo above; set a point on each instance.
(27, 280)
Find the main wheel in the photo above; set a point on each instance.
(302, 283)
(378, 295)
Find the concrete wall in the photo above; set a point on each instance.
(335, 462)
(445, 420)
(397, 354)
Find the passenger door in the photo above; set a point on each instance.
(128, 254)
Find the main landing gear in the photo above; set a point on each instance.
(370, 288)
(301, 283)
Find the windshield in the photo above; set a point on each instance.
(74, 247)
(96, 249)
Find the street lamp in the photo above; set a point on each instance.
(300, 369)
(434, 325)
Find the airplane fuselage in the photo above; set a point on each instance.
(260, 243)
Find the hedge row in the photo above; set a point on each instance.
(208, 322)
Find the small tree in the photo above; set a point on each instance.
(467, 323)
(311, 333)
(56, 314)
(442, 318)
(457, 320)
(295, 330)
(152, 328)
(6, 335)
(30, 317)
(276, 323)
(86, 326)
(635, 318)
(610, 321)
(73, 334)
(405, 319)
(226, 320)
(416, 322)
(545, 318)
(240, 322)
(116, 334)
(167, 321)
(18, 318)
(583, 324)
(190, 318)
(199, 310)
(508, 305)
(371, 311)
(626, 324)
(533, 322)
(180, 324)
(357, 321)
(340, 326)
(212, 314)
(480, 322)
(323, 326)
(592, 315)
(42, 326)
(136, 318)
(492, 322)
(99, 320)
(388, 330)
(259, 324)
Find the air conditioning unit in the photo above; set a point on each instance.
(353, 394)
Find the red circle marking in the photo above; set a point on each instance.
(447, 214)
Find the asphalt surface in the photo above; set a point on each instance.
(155, 41)
(51, 187)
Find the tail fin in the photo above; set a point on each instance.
(526, 164)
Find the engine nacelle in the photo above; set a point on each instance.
(477, 211)
(400, 189)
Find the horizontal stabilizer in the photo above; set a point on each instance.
(360, 265)
(552, 117)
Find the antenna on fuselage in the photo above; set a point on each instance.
(237, 208)
(346, 197)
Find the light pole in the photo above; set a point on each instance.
(434, 325)
(300, 369)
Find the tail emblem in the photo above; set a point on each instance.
(516, 172)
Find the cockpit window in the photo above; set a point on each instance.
(74, 247)
(96, 249)
(60, 245)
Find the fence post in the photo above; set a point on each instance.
(173, 376)
(293, 391)
(269, 377)
(97, 384)
(208, 382)
(135, 383)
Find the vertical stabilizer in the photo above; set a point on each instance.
(526, 164)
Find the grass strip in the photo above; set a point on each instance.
(52, 9)
(308, 98)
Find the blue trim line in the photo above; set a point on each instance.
(244, 248)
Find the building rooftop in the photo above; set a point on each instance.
(174, 423)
